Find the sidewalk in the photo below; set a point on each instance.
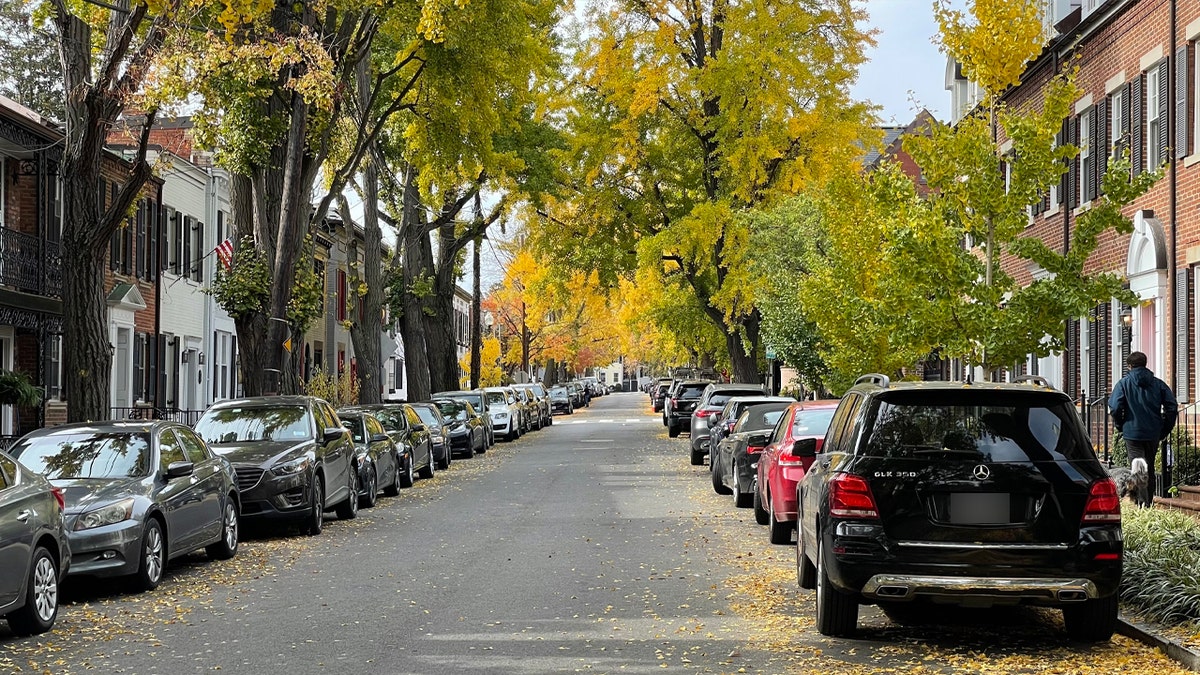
(1186, 657)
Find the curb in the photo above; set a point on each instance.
(1176, 651)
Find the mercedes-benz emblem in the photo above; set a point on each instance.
(981, 472)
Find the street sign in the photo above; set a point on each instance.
(770, 353)
(287, 344)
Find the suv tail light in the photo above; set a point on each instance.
(59, 497)
(1103, 504)
(705, 413)
(786, 458)
(754, 449)
(850, 497)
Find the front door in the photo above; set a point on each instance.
(8, 413)
(122, 360)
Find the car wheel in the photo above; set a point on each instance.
(447, 458)
(806, 572)
(717, 483)
(348, 510)
(550, 420)
(227, 547)
(697, 457)
(393, 490)
(1091, 620)
(673, 432)
(512, 432)
(407, 479)
(41, 597)
(837, 612)
(780, 533)
(426, 472)
(316, 509)
(370, 490)
(740, 499)
(760, 514)
(153, 557)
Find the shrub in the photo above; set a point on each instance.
(339, 390)
(1162, 557)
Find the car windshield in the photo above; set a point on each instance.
(812, 422)
(241, 425)
(355, 425)
(496, 397)
(427, 416)
(1012, 428)
(721, 398)
(392, 421)
(452, 410)
(757, 420)
(86, 455)
(558, 392)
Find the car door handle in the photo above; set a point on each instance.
(23, 516)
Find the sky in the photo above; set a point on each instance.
(905, 65)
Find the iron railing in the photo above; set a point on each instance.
(1178, 462)
(29, 264)
(188, 417)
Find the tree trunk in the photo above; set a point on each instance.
(412, 332)
(745, 364)
(476, 311)
(87, 352)
(367, 329)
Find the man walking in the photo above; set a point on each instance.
(1144, 409)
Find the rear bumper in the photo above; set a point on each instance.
(893, 587)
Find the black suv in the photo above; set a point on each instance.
(681, 401)
(975, 494)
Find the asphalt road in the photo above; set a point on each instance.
(589, 546)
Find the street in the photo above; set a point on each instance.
(591, 546)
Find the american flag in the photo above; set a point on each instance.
(224, 251)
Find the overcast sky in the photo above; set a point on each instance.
(905, 66)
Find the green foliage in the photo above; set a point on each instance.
(1162, 554)
(16, 388)
(33, 72)
(339, 390)
(245, 289)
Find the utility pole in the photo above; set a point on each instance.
(476, 313)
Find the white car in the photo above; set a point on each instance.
(505, 413)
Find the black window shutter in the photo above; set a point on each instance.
(1100, 143)
(173, 363)
(1093, 387)
(1182, 125)
(1071, 376)
(1182, 384)
(1136, 152)
(114, 250)
(1089, 177)
(151, 373)
(138, 371)
(139, 262)
(1060, 139)
(188, 224)
(127, 246)
(1164, 137)
(200, 252)
(161, 370)
(177, 249)
(1073, 167)
(152, 215)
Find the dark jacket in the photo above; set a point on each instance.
(1149, 405)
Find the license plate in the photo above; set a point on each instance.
(979, 508)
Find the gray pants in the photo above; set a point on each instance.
(1147, 450)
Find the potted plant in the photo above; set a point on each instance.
(17, 390)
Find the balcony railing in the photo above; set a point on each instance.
(29, 264)
(188, 417)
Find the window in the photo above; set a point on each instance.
(1116, 117)
(341, 299)
(169, 450)
(319, 270)
(192, 446)
(1153, 132)
(398, 373)
(54, 367)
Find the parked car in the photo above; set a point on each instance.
(678, 412)
(408, 434)
(658, 394)
(439, 434)
(734, 407)
(779, 469)
(136, 494)
(478, 400)
(542, 398)
(978, 494)
(579, 395)
(375, 456)
(531, 416)
(464, 427)
(34, 553)
(734, 461)
(560, 400)
(293, 459)
(712, 400)
(593, 386)
(506, 416)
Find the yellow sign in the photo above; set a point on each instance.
(287, 344)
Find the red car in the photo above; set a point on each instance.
(779, 470)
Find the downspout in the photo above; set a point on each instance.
(1172, 205)
(159, 382)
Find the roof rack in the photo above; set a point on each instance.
(1036, 379)
(874, 378)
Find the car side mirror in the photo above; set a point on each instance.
(418, 428)
(379, 438)
(333, 434)
(179, 470)
(805, 447)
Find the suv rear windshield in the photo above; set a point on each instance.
(722, 397)
(995, 427)
(691, 390)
